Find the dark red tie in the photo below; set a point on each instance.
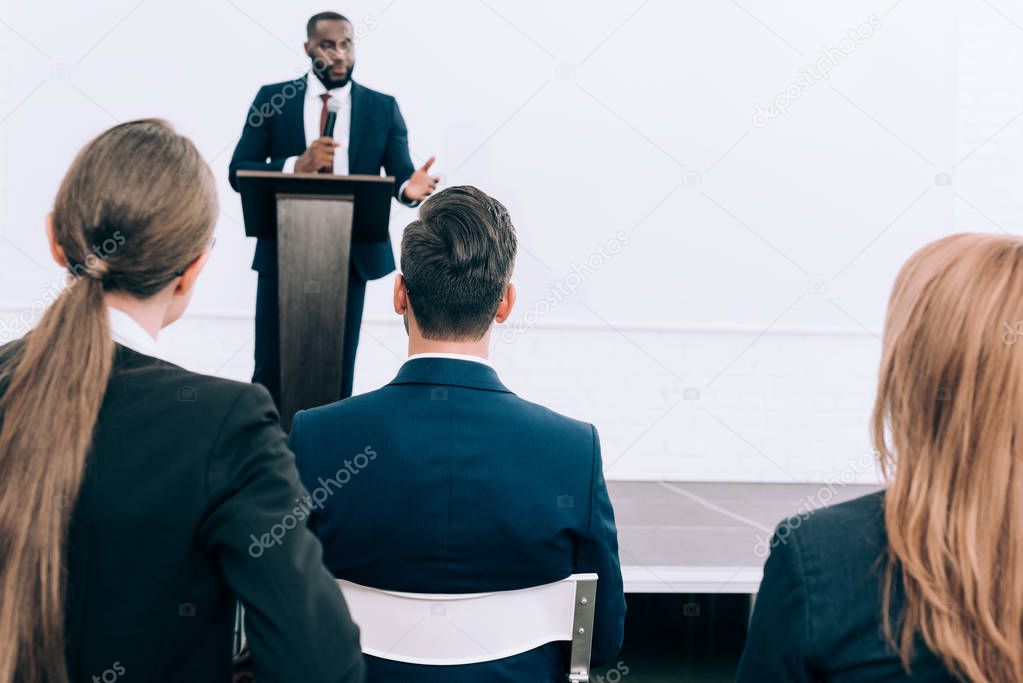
(323, 112)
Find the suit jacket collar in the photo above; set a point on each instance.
(445, 371)
(293, 120)
(357, 130)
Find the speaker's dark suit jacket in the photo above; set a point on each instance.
(818, 612)
(184, 470)
(274, 131)
(469, 489)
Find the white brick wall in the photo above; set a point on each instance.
(989, 177)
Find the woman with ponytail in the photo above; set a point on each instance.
(140, 501)
(923, 581)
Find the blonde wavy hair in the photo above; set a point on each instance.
(948, 424)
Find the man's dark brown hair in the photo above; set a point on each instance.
(457, 260)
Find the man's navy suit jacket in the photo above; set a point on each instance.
(461, 487)
(275, 130)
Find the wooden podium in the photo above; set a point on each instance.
(315, 219)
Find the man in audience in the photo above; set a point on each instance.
(444, 481)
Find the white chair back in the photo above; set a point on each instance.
(447, 629)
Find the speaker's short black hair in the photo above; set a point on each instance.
(457, 259)
(322, 16)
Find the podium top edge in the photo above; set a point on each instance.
(327, 177)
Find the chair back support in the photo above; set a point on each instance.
(446, 629)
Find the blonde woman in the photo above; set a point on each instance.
(923, 582)
(130, 489)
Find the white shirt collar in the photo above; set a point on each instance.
(452, 356)
(315, 88)
(127, 332)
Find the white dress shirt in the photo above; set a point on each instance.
(311, 109)
(127, 332)
(451, 356)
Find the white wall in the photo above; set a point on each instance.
(734, 335)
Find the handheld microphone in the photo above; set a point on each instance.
(333, 107)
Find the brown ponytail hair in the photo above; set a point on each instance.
(136, 207)
(948, 425)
